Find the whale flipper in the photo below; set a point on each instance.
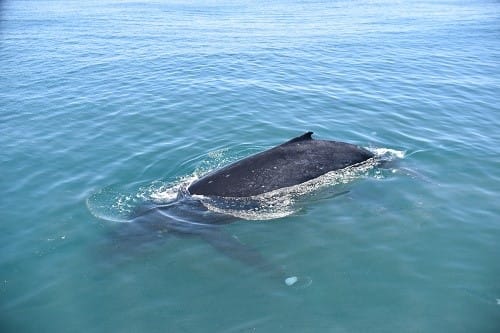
(232, 247)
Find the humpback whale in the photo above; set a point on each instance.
(294, 162)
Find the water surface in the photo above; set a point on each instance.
(131, 97)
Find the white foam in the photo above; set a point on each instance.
(253, 208)
(387, 152)
(169, 192)
(290, 281)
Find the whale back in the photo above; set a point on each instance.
(291, 163)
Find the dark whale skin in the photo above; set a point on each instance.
(291, 163)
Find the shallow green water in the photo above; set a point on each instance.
(128, 98)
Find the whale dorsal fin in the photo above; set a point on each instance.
(304, 137)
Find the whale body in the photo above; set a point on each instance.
(294, 162)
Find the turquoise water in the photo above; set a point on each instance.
(105, 102)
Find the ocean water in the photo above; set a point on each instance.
(106, 103)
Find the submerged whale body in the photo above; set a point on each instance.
(294, 162)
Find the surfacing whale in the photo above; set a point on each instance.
(294, 162)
